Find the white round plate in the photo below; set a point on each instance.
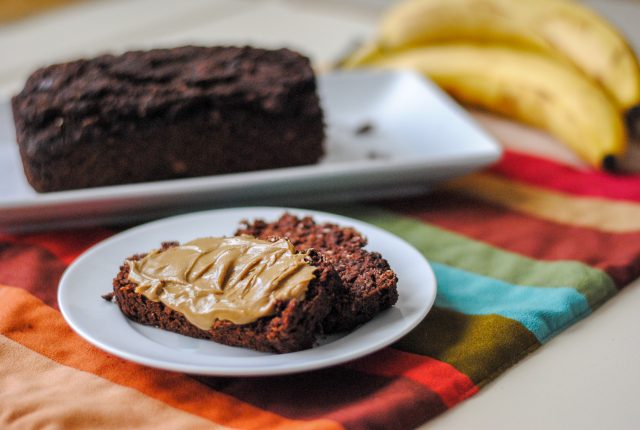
(102, 324)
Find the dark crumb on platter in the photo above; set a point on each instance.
(108, 297)
(374, 155)
(364, 128)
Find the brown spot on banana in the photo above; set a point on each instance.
(632, 119)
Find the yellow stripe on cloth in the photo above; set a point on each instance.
(30, 381)
(589, 212)
(11, 10)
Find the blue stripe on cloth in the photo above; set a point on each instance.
(542, 310)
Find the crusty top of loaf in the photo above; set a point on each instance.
(141, 84)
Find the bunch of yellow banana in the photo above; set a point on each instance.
(554, 64)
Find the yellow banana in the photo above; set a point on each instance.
(563, 29)
(526, 86)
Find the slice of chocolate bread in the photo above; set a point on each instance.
(167, 113)
(368, 283)
(292, 326)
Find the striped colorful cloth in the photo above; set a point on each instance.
(520, 251)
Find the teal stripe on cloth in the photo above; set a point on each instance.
(543, 311)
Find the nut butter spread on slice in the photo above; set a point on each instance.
(238, 279)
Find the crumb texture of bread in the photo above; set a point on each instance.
(167, 113)
(369, 285)
(293, 327)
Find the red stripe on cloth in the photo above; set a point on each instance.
(66, 245)
(32, 268)
(552, 175)
(354, 399)
(36, 261)
(617, 254)
(451, 385)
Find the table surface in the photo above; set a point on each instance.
(584, 378)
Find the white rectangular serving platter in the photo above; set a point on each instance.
(418, 137)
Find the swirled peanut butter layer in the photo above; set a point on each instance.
(238, 279)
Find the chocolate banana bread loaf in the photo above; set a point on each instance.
(167, 113)
(368, 283)
(291, 326)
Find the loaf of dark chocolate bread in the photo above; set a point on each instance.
(368, 284)
(167, 113)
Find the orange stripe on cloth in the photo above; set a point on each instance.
(28, 382)
(589, 212)
(451, 385)
(26, 320)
